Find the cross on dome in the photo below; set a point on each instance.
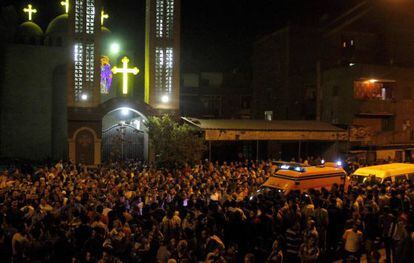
(65, 3)
(30, 11)
(103, 17)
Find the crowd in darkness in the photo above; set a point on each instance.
(209, 212)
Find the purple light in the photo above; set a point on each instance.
(106, 75)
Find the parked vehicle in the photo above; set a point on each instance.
(299, 177)
(393, 172)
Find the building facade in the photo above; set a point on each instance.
(57, 90)
(33, 89)
(216, 95)
(283, 73)
(353, 71)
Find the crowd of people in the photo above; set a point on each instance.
(210, 212)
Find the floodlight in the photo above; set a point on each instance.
(165, 99)
(125, 111)
(115, 48)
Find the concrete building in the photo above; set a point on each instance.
(216, 95)
(376, 103)
(354, 71)
(283, 73)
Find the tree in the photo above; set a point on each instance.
(173, 143)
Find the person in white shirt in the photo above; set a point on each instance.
(353, 242)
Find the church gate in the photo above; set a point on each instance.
(122, 142)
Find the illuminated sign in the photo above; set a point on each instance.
(125, 71)
(30, 11)
(106, 75)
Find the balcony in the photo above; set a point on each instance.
(376, 108)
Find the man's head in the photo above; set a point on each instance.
(356, 225)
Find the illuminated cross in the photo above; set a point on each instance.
(30, 11)
(103, 17)
(66, 5)
(125, 71)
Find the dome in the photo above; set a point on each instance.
(58, 26)
(29, 30)
(105, 35)
(105, 31)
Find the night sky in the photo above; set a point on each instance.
(216, 35)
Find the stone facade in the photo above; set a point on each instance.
(31, 86)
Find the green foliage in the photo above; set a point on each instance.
(174, 144)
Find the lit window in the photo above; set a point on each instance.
(164, 18)
(169, 20)
(79, 16)
(78, 70)
(374, 90)
(90, 62)
(164, 62)
(90, 16)
(169, 69)
(159, 14)
(348, 43)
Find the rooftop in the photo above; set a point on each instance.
(261, 125)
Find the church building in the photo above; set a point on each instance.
(63, 97)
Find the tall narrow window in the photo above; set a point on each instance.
(79, 16)
(169, 19)
(159, 15)
(164, 61)
(78, 70)
(90, 62)
(164, 17)
(90, 16)
(168, 69)
(159, 69)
